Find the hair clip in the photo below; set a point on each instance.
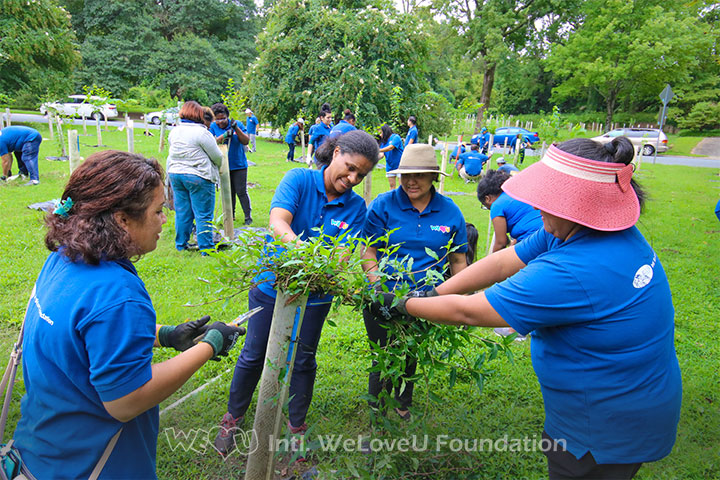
(63, 207)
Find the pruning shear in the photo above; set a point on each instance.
(238, 321)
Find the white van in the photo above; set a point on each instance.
(646, 138)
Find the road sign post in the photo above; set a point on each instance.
(666, 95)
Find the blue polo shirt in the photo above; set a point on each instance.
(600, 309)
(433, 228)
(522, 219)
(472, 161)
(89, 335)
(392, 158)
(480, 139)
(236, 153)
(302, 193)
(340, 128)
(12, 139)
(292, 133)
(412, 135)
(252, 123)
(508, 168)
(454, 153)
(319, 134)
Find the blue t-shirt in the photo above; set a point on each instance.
(522, 219)
(319, 134)
(340, 128)
(292, 133)
(236, 153)
(454, 153)
(412, 135)
(392, 158)
(508, 168)
(600, 309)
(472, 161)
(12, 139)
(89, 335)
(252, 123)
(433, 228)
(302, 193)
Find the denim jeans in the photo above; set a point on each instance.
(194, 199)
(30, 151)
(251, 361)
(291, 152)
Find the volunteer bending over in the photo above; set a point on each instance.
(90, 329)
(597, 300)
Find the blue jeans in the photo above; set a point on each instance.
(30, 151)
(250, 363)
(194, 199)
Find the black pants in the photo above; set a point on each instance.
(562, 465)
(377, 334)
(291, 152)
(238, 186)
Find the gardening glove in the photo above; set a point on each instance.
(227, 134)
(181, 337)
(422, 293)
(233, 124)
(222, 337)
(383, 307)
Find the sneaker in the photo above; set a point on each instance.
(225, 438)
(298, 440)
(507, 331)
(31, 182)
(3, 178)
(248, 221)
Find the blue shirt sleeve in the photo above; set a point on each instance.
(119, 344)
(396, 142)
(287, 194)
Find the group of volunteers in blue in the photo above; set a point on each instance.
(577, 275)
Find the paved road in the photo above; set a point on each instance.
(709, 162)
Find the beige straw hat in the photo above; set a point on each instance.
(418, 158)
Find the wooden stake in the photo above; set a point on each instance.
(98, 131)
(60, 136)
(226, 194)
(274, 385)
(84, 125)
(7, 117)
(302, 142)
(74, 150)
(51, 127)
(162, 136)
(130, 132)
(367, 188)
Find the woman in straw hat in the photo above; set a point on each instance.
(595, 296)
(418, 218)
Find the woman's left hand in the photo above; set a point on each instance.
(182, 337)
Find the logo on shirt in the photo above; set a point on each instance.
(643, 276)
(340, 224)
(440, 228)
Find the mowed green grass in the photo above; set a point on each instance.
(678, 221)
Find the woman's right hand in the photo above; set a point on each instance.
(222, 338)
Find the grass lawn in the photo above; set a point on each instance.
(678, 221)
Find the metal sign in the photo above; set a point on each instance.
(666, 95)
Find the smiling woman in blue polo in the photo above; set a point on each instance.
(304, 201)
(422, 218)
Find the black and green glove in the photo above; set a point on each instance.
(384, 307)
(181, 337)
(222, 337)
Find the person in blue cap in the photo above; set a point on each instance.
(347, 124)
(508, 168)
(233, 133)
(391, 147)
(252, 125)
(597, 299)
(304, 201)
(412, 136)
(24, 142)
(470, 164)
(420, 218)
(90, 330)
(292, 133)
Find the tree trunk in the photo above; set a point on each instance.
(610, 108)
(488, 81)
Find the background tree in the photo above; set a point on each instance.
(627, 49)
(352, 57)
(37, 47)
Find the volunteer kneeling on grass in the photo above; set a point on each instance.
(597, 300)
(91, 387)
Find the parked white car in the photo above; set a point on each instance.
(170, 115)
(78, 106)
(646, 138)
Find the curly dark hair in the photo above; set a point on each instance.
(491, 184)
(107, 182)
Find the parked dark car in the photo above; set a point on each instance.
(510, 133)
